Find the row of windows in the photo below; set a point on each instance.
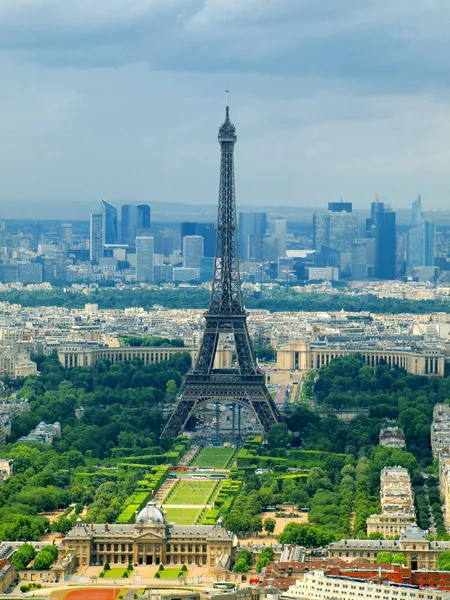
(187, 548)
(175, 560)
(377, 593)
(115, 547)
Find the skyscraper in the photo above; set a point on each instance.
(144, 258)
(192, 251)
(382, 227)
(251, 230)
(421, 239)
(206, 230)
(359, 270)
(337, 229)
(110, 230)
(96, 238)
(278, 228)
(134, 220)
(65, 233)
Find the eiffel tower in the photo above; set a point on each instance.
(244, 385)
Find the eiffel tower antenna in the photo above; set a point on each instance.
(244, 385)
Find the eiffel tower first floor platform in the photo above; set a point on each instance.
(248, 391)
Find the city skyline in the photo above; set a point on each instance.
(120, 102)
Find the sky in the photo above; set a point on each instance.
(122, 99)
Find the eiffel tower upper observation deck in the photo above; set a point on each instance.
(244, 385)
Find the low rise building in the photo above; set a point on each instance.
(7, 575)
(440, 446)
(310, 355)
(320, 586)
(419, 551)
(44, 433)
(392, 437)
(6, 468)
(82, 355)
(150, 541)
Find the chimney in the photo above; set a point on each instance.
(106, 528)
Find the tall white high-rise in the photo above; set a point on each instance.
(278, 229)
(192, 251)
(96, 237)
(144, 257)
(421, 239)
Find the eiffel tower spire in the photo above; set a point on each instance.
(244, 385)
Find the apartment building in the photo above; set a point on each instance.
(440, 445)
(319, 586)
(397, 503)
(392, 437)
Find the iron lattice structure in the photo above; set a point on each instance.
(246, 384)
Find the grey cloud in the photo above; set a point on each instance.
(375, 44)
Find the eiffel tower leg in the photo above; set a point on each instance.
(178, 419)
(207, 352)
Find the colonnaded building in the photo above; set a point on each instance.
(307, 356)
(150, 541)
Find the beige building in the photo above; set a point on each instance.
(440, 445)
(150, 541)
(321, 587)
(6, 468)
(419, 551)
(16, 364)
(392, 437)
(79, 355)
(307, 356)
(397, 503)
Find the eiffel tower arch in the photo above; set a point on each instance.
(244, 385)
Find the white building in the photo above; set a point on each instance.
(144, 257)
(323, 274)
(317, 586)
(193, 246)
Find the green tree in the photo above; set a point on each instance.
(269, 525)
(171, 390)
(241, 566)
(23, 556)
(444, 561)
(45, 558)
(257, 524)
(384, 558)
(399, 558)
(304, 535)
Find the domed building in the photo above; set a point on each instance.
(150, 541)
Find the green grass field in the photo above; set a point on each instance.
(192, 492)
(183, 516)
(115, 573)
(171, 573)
(214, 457)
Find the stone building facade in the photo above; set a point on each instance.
(307, 356)
(397, 503)
(419, 551)
(150, 541)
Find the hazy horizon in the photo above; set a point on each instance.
(122, 99)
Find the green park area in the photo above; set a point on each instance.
(183, 516)
(213, 457)
(189, 491)
(171, 573)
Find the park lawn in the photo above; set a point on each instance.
(214, 457)
(183, 516)
(171, 573)
(192, 492)
(115, 572)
